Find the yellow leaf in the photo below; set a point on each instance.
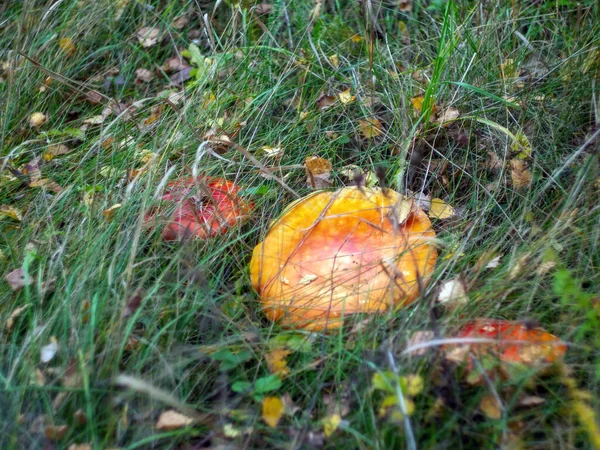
(520, 175)
(356, 38)
(490, 407)
(272, 152)
(331, 423)
(66, 45)
(417, 103)
(370, 128)
(110, 212)
(37, 119)
(55, 150)
(335, 61)
(440, 209)
(272, 410)
(172, 420)
(12, 212)
(277, 363)
(414, 384)
(508, 69)
(345, 97)
(521, 145)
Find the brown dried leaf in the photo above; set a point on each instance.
(172, 420)
(419, 337)
(276, 361)
(318, 172)
(133, 303)
(56, 432)
(520, 175)
(148, 36)
(55, 150)
(143, 76)
(490, 407)
(370, 127)
(10, 322)
(531, 400)
(180, 22)
(17, 281)
(175, 64)
(325, 101)
(12, 212)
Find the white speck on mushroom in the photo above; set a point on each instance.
(306, 279)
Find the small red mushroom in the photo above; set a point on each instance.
(513, 342)
(201, 207)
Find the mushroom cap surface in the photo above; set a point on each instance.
(334, 254)
(203, 207)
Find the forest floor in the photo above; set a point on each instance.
(486, 114)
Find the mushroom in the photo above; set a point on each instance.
(512, 342)
(203, 207)
(334, 254)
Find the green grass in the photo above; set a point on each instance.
(197, 297)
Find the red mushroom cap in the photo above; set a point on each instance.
(334, 254)
(204, 207)
(516, 342)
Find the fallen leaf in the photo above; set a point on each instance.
(493, 162)
(370, 128)
(148, 36)
(439, 209)
(508, 68)
(133, 304)
(346, 97)
(335, 61)
(520, 175)
(179, 78)
(331, 423)
(37, 119)
(453, 293)
(175, 64)
(521, 146)
(229, 431)
(13, 316)
(56, 432)
(46, 183)
(172, 420)
(272, 410)
(17, 281)
(180, 22)
(66, 45)
(48, 352)
(272, 152)
(405, 6)
(109, 213)
(143, 76)
(276, 361)
(325, 101)
(263, 8)
(448, 115)
(417, 338)
(356, 38)
(12, 212)
(80, 417)
(55, 150)
(490, 407)
(318, 172)
(531, 400)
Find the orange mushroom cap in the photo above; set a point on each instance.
(516, 342)
(203, 207)
(333, 254)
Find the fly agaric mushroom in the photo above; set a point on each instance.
(513, 342)
(203, 207)
(334, 254)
